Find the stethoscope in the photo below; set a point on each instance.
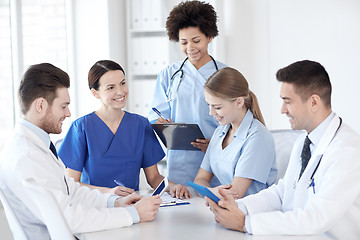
(169, 92)
(311, 180)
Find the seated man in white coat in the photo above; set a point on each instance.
(44, 100)
(320, 192)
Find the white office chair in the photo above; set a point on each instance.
(15, 226)
(284, 141)
(50, 211)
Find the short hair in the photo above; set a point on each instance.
(100, 68)
(309, 78)
(41, 80)
(192, 14)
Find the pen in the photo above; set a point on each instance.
(313, 185)
(118, 183)
(158, 113)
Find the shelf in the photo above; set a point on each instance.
(148, 30)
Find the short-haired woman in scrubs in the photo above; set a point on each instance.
(241, 152)
(110, 143)
(179, 94)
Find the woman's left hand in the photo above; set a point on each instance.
(201, 143)
(179, 191)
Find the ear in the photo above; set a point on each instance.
(41, 105)
(210, 39)
(239, 102)
(315, 102)
(95, 93)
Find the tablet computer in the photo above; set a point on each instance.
(178, 136)
(204, 191)
(161, 187)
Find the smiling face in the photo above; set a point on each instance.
(224, 111)
(297, 110)
(56, 112)
(113, 90)
(194, 44)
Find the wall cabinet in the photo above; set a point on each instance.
(148, 49)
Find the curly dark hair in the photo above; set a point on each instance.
(192, 14)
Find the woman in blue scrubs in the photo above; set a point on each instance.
(110, 143)
(241, 153)
(179, 92)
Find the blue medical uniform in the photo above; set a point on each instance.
(185, 103)
(91, 148)
(251, 155)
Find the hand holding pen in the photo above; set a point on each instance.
(121, 190)
(161, 118)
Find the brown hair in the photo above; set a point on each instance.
(41, 80)
(192, 14)
(229, 84)
(309, 78)
(100, 68)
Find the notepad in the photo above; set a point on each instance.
(178, 136)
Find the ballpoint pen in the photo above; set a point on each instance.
(158, 113)
(118, 183)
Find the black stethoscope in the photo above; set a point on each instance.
(168, 92)
(311, 180)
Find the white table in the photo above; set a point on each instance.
(192, 221)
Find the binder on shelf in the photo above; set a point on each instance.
(142, 95)
(146, 13)
(155, 15)
(136, 55)
(136, 12)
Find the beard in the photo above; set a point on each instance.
(50, 125)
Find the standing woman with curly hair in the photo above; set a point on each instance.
(179, 94)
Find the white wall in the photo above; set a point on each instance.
(263, 36)
(99, 33)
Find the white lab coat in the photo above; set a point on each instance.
(26, 156)
(292, 208)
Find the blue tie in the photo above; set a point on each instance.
(53, 149)
(305, 155)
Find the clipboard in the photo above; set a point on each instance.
(178, 136)
(168, 200)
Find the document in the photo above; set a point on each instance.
(168, 200)
(178, 136)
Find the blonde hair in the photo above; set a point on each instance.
(229, 84)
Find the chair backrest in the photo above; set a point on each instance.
(50, 211)
(284, 141)
(15, 226)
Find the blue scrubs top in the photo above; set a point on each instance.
(182, 100)
(91, 148)
(250, 155)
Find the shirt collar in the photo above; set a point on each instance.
(243, 128)
(317, 133)
(38, 131)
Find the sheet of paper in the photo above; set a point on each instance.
(168, 200)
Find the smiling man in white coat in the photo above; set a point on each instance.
(44, 100)
(320, 192)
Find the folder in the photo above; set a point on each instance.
(178, 136)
